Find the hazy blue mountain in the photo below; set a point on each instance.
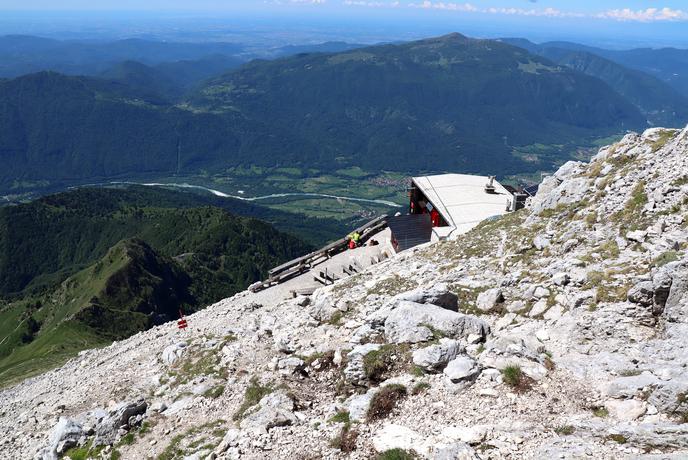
(20, 55)
(327, 47)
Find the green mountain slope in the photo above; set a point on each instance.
(52, 237)
(657, 100)
(130, 289)
(83, 268)
(450, 103)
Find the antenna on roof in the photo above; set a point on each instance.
(490, 187)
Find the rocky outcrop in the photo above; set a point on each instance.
(411, 322)
(118, 421)
(558, 331)
(273, 410)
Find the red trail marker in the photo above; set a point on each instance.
(182, 324)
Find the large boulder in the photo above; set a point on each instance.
(435, 357)
(489, 300)
(124, 416)
(275, 409)
(412, 322)
(358, 405)
(642, 293)
(626, 409)
(173, 352)
(66, 434)
(462, 369)
(439, 295)
(322, 309)
(565, 187)
(394, 436)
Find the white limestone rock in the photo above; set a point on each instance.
(435, 357)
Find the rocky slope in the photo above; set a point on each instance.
(560, 331)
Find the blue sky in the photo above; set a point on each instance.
(613, 10)
(610, 23)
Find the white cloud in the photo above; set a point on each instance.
(625, 14)
(298, 2)
(544, 12)
(445, 6)
(647, 15)
(370, 4)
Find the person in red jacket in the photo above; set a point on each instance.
(434, 216)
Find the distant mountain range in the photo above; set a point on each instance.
(83, 268)
(449, 103)
(663, 99)
(21, 54)
(669, 65)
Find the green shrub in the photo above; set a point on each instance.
(215, 392)
(619, 438)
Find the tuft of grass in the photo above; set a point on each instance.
(172, 451)
(600, 412)
(392, 286)
(618, 438)
(378, 364)
(195, 364)
(680, 181)
(514, 377)
(631, 214)
(417, 371)
(385, 400)
(630, 372)
(252, 396)
(565, 430)
(340, 417)
(397, 454)
(178, 448)
(665, 258)
(345, 439)
(127, 439)
(325, 360)
(336, 319)
(419, 388)
(214, 392)
(82, 453)
(664, 137)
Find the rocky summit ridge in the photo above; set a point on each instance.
(559, 331)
